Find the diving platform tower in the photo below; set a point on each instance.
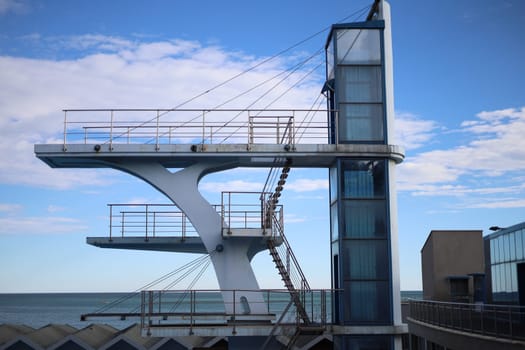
(354, 143)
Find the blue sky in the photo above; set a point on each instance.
(459, 100)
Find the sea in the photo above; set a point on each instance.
(40, 309)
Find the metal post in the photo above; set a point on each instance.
(203, 126)
(146, 222)
(64, 147)
(157, 136)
(154, 222)
(192, 310)
(183, 225)
(110, 221)
(122, 224)
(233, 317)
(111, 133)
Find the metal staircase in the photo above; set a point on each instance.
(283, 256)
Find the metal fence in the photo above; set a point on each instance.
(194, 308)
(194, 126)
(492, 320)
(238, 210)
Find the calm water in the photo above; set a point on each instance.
(38, 310)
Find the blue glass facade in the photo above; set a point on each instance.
(505, 264)
(359, 186)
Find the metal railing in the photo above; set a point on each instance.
(148, 220)
(247, 210)
(194, 308)
(194, 126)
(238, 209)
(492, 320)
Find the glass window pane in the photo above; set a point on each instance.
(365, 259)
(492, 251)
(501, 249)
(367, 301)
(364, 179)
(333, 183)
(507, 247)
(513, 279)
(512, 246)
(519, 245)
(365, 219)
(507, 278)
(360, 84)
(334, 220)
(361, 122)
(495, 280)
(358, 46)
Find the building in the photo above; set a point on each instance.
(463, 309)
(505, 265)
(452, 266)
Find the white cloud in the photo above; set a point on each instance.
(234, 185)
(41, 225)
(492, 151)
(413, 132)
(501, 203)
(307, 185)
(117, 73)
(10, 208)
(15, 6)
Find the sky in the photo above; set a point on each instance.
(459, 102)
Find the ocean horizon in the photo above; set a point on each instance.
(40, 309)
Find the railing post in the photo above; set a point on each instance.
(111, 132)
(234, 331)
(157, 131)
(110, 221)
(183, 225)
(64, 147)
(147, 222)
(192, 310)
(122, 224)
(203, 126)
(154, 223)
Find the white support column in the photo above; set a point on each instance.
(230, 258)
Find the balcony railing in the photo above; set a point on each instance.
(204, 308)
(243, 210)
(194, 126)
(491, 320)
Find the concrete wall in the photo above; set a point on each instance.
(449, 253)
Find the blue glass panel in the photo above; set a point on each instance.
(358, 46)
(333, 184)
(361, 122)
(501, 249)
(360, 84)
(506, 240)
(365, 219)
(365, 259)
(520, 235)
(512, 246)
(364, 179)
(367, 302)
(495, 279)
(492, 251)
(334, 221)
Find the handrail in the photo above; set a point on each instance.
(193, 126)
(153, 220)
(504, 321)
(157, 307)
